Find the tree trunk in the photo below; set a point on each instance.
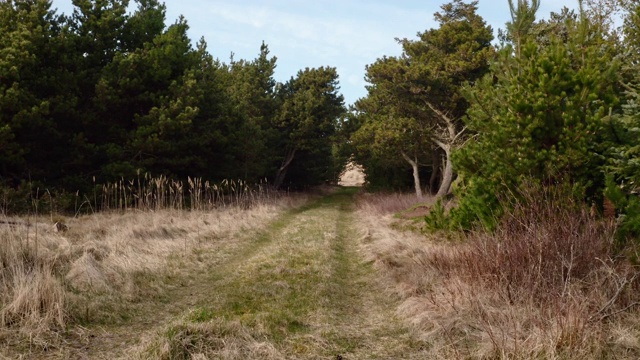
(447, 175)
(446, 143)
(416, 174)
(282, 171)
(435, 173)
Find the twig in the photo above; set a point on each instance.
(613, 300)
(619, 311)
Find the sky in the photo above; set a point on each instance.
(346, 34)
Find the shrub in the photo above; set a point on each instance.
(548, 281)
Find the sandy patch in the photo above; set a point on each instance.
(353, 175)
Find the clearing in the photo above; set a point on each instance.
(297, 289)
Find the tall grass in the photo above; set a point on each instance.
(548, 283)
(155, 193)
(51, 279)
(31, 296)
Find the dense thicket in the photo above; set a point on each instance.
(106, 94)
(555, 102)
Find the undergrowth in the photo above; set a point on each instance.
(547, 282)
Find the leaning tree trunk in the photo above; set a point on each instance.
(446, 143)
(447, 175)
(282, 170)
(416, 174)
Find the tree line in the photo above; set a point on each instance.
(548, 102)
(105, 94)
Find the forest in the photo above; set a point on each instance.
(104, 95)
(548, 103)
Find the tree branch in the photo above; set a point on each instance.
(408, 159)
(450, 123)
(442, 145)
(602, 312)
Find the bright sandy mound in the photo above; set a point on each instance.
(353, 175)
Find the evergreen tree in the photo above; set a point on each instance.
(421, 89)
(306, 123)
(252, 89)
(129, 88)
(389, 134)
(623, 168)
(34, 92)
(539, 114)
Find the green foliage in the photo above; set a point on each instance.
(33, 72)
(628, 208)
(623, 155)
(414, 105)
(479, 205)
(104, 94)
(437, 218)
(540, 114)
(252, 93)
(624, 129)
(307, 122)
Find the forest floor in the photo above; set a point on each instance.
(299, 288)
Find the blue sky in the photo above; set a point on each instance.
(346, 34)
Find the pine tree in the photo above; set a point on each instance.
(306, 121)
(422, 89)
(539, 114)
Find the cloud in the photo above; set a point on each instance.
(331, 30)
(347, 35)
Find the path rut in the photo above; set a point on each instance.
(298, 289)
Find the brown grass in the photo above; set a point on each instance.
(32, 297)
(390, 203)
(159, 193)
(546, 284)
(51, 279)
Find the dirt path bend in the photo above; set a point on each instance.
(296, 290)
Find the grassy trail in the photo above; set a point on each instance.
(298, 290)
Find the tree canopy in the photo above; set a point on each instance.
(105, 94)
(553, 102)
(414, 106)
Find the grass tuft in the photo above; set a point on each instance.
(390, 203)
(214, 339)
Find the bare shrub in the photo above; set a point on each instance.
(547, 283)
(540, 250)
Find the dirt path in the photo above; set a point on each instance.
(298, 290)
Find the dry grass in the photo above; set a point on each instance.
(390, 203)
(215, 339)
(547, 284)
(158, 193)
(300, 292)
(51, 279)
